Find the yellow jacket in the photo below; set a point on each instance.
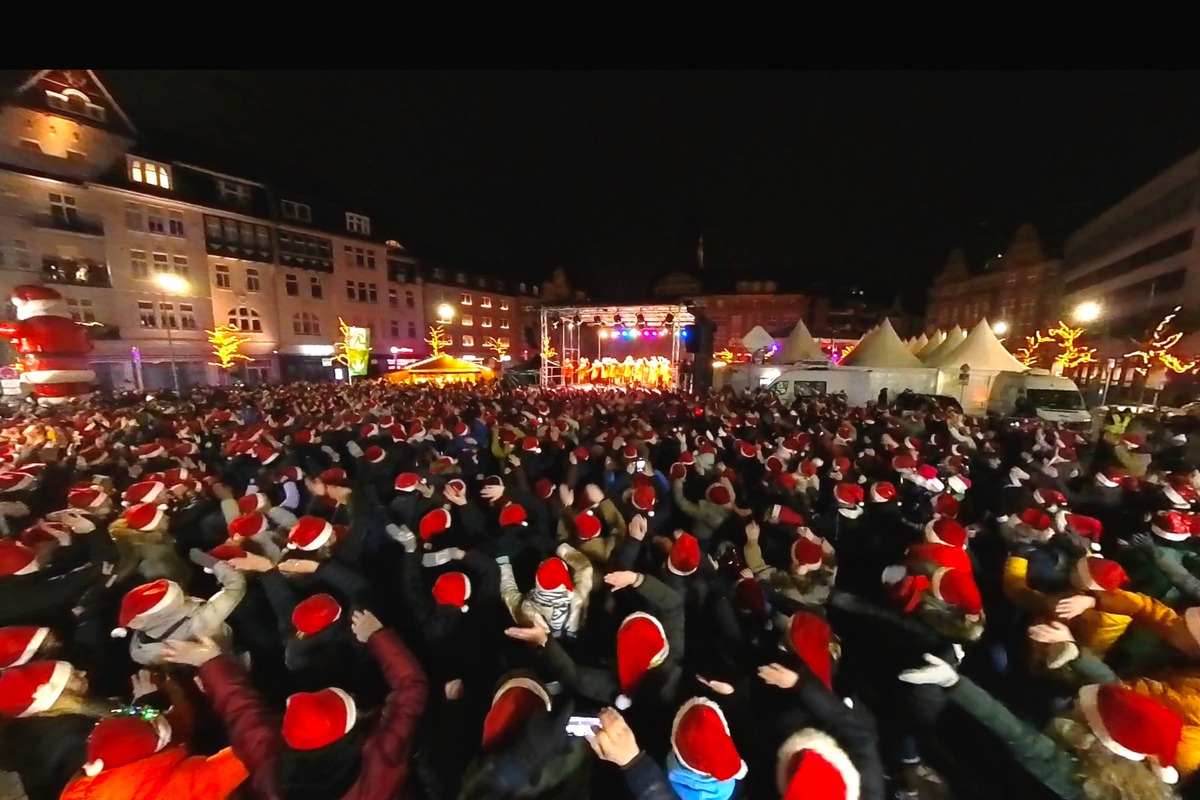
(1097, 629)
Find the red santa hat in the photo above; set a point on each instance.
(375, 454)
(56, 533)
(1099, 575)
(313, 720)
(945, 505)
(718, 494)
(587, 525)
(334, 476)
(1049, 499)
(517, 701)
(118, 741)
(746, 449)
(513, 514)
(810, 765)
(407, 481)
(701, 741)
(1133, 726)
(19, 644)
(248, 525)
(687, 458)
(530, 445)
(1088, 527)
(959, 484)
(848, 495)
(149, 451)
(144, 492)
(1174, 526)
(227, 552)
(641, 646)
(309, 533)
(957, 587)
(16, 559)
(144, 516)
(452, 589)
(253, 503)
(33, 688)
(34, 301)
(436, 521)
(809, 553)
(782, 515)
(265, 454)
(643, 499)
(810, 637)
(306, 437)
(15, 481)
(160, 597)
(553, 574)
(684, 558)
(882, 492)
(1111, 477)
(1037, 521)
(314, 614)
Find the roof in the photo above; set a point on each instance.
(952, 340)
(881, 348)
(800, 346)
(981, 350)
(443, 365)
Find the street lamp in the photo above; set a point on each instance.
(1088, 311)
(173, 284)
(445, 312)
(1000, 328)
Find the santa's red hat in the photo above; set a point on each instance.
(1099, 575)
(144, 516)
(701, 741)
(265, 454)
(368, 430)
(407, 481)
(684, 558)
(19, 644)
(313, 720)
(517, 701)
(88, 498)
(314, 614)
(882, 492)
(1111, 477)
(1037, 520)
(944, 530)
(334, 476)
(118, 741)
(687, 458)
(248, 525)
(452, 589)
(456, 484)
(641, 646)
(1049, 499)
(587, 525)
(306, 437)
(253, 503)
(227, 552)
(810, 637)
(946, 505)
(15, 481)
(553, 574)
(1133, 726)
(1088, 527)
(530, 445)
(151, 450)
(436, 521)
(513, 514)
(959, 484)
(32, 688)
(718, 494)
(16, 558)
(309, 533)
(56, 533)
(1174, 526)
(544, 488)
(810, 765)
(848, 495)
(782, 515)
(957, 587)
(375, 454)
(150, 599)
(643, 499)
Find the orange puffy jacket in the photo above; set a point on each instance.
(170, 774)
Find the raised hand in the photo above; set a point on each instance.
(192, 652)
(621, 579)
(534, 635)
(1072, 607)
(614, 741)
(364, 624)
(778, 675)
(638, 527)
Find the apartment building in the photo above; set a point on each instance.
(472, 309)
(152, 247)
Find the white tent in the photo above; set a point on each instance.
(981, 350)
(800, 346)
(953, 339)
(881, 348)
(931, 344)
(917, 343)
(757, 339)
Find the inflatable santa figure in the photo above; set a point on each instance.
(53, 348)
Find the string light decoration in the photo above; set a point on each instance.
(227, 341)
(548, 351)
(1156, 351)
(353, 350)
(437, 339)
(1070, 354)
(725, 355)
(499, 347)
(1027, 354)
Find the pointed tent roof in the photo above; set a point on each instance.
(800, 346)
(918, 343)
(981, 350)
(881, 348)
(757, 339)
(933, 343)
(953, 339)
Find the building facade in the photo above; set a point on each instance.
(735, 307)
(473, 309)
(1139, 258)
(1019, 288)
(153, 250)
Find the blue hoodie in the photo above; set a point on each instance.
(691, 785)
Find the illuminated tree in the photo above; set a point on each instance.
(494, 344)
(548, 351)
(1156, 350)
(724, 355)
(1028, 354)
(1070, 354)
(437, 339)
(227, 341)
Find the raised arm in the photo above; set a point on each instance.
(392, 739)
(253, 730)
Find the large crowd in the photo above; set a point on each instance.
(321, 591)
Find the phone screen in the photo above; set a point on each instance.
(640, 464)
(582, 726)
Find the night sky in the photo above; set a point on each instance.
(612, 175)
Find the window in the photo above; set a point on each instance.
(162, 263)
(291, 285)
(485, 322)
(262, 236)
(135, 220)
(223, 281)
(305, 323)
(155, 221)
(395, 329)
(350, 294)
(370, 259)
(21, 253)
(167, 312)
(504, 324)
(76, 102)
(437, 273)
(175, 223)
(31, 144)
(449, 339)
(212, 227)
(373, 293)
(187, 316)
(504, 305)
(63, 209)
(461, 277)
(464, 299)
(181, 265)
(503, 340)
(246, 318)
(468, 340)
(252, 281)
(485, 302)
(409, 299)
(138, 265)
(81, 310)
(393, 298)
(357, 223)
(149, 172)
(247, 233)
(314, 288)
(146, 316)
(467, 320)
(412, 330)
(233, 191)
(362, 291)
(296, 211)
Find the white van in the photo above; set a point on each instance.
(1037, 394)
(801, 382)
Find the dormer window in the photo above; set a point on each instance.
(233, 191)
(357, 223)
(74, 102)
(297, 211)
(150, 172)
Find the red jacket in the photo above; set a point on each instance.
(170, 774)
(254, 731)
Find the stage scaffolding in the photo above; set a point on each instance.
(565, 327)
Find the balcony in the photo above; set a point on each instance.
(68, 222)
(75, 272)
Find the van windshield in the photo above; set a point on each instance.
(1058, 399)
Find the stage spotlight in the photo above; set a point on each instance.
(603, 334)
(668, 319)
(596, 319)
(641, 320)
(578, 320)
(617, 319)
(636, 333)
